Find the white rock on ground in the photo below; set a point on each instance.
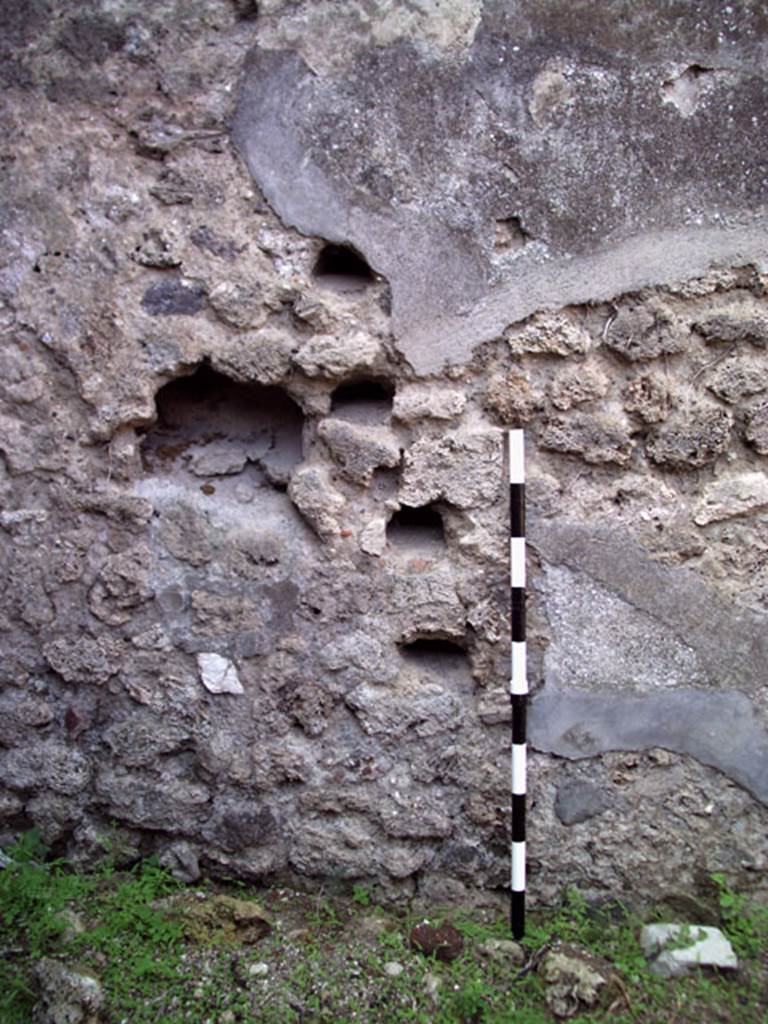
(66, 997)
(708, 947)
(218, 674)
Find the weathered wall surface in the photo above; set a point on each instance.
(253, 519)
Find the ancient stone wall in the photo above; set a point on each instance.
(275, 279)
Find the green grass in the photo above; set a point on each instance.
(325, 959)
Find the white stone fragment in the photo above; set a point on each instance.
(259, 970)
(218, 674)
(421, 401)
(329, 356)
(373, 539)
(708, 947)
(393, 969)
(733, 496)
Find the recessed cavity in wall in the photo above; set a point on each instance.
(364, 400)
(417, 530)
(685, 91)
(340, 268)
(223, 437)
(510, 235)
(438, 657)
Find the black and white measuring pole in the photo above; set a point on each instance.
(518, 687)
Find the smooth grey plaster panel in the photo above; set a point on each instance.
(719, 729)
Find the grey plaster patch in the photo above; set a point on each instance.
(580, 801)
(718, 729)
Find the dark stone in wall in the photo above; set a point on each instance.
(173, 298)
(580, 801)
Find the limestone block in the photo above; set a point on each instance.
(757, 430)
(696, 946)
(373, 537)
(578, 385)
(736, 324)
(691, 439)
(732, 496)
(464, 469)
(218, 674)
(415, 402)
(317, 499)
(328, 356)
(595, 439)
(359, 449)
(642, 332)
(554, 334)
(85, 659)
(572, 979)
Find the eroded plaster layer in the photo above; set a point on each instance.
(563, 133)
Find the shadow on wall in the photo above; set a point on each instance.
(365, 400)
(231, 443)
(417, 531)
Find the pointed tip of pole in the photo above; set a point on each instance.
(517, 915)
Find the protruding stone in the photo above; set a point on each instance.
(461, 468)
(317, 499)
(218, 674)
(66, 996)
(511, 399)
(690, 440)
(731, 497)
(555, 334)
(359, 449)
(757, 430)
(595, 439)
(692, 946)
(577, 385)
(414, 402)
(645, 331)
(736, 325)
(328, 356)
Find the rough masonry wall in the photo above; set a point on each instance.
(253, 507)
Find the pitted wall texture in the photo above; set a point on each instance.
(275, 279)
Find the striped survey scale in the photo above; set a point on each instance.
(518, 687)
